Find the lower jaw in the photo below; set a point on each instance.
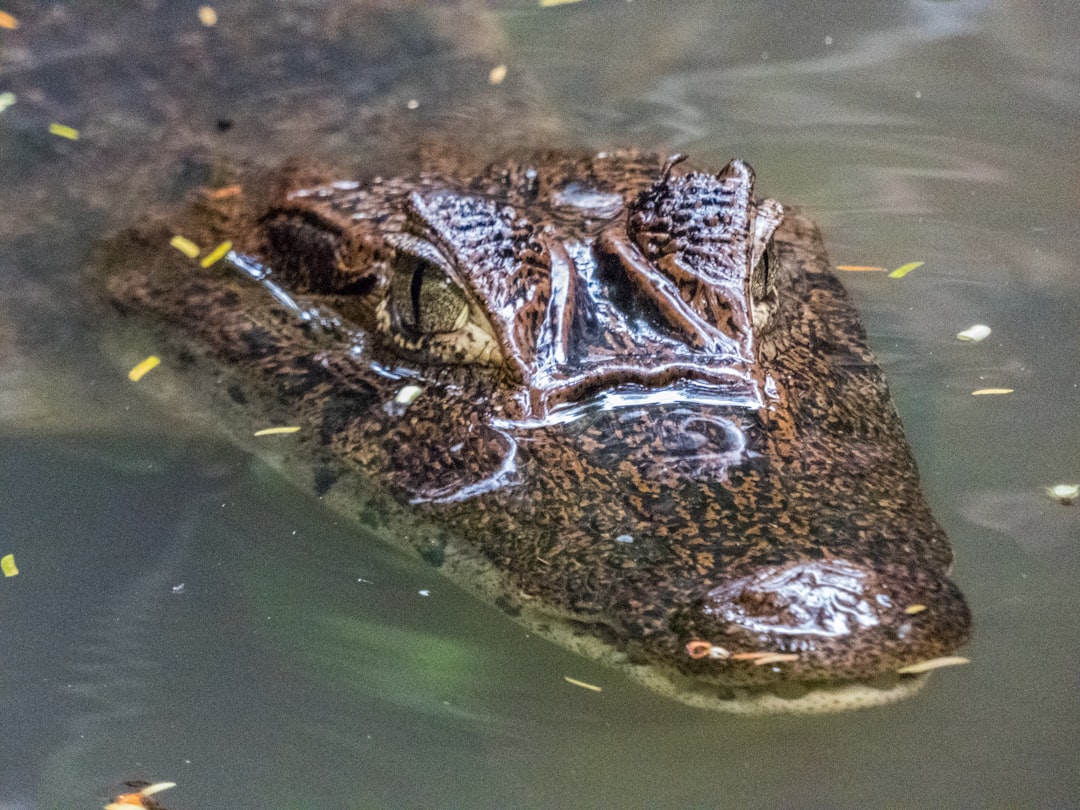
(783, 698)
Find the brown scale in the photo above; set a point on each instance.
(769, 504)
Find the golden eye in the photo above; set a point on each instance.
(423, 298)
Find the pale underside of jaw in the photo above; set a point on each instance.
(700, 692)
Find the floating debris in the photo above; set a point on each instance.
(703, 649)
(185, 246)
(933, 663)
(8, 21)
(7, 565)
(216, 254)
(760, 658)
(140, 798)
(911, 610)
(860, 268)
(497, 74)
(408, 395)
(7, 98)
(277, 431)
(64, 131)
(591, 687)
(698, 649)
(904, 269)
(224, 192)
(207, 16)
(140, 370)
(412, 104)
(973, 334)
(982, 392)
(1064, 493)
(775, 658)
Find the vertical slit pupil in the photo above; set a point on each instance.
(414, 292)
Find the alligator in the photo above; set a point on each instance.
(627, 399)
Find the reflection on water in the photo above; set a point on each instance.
(1033, 520)
(306, 669)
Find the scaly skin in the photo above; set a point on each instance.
(646, 411)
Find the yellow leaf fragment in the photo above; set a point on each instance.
(550, 3)
(497, 74)
(991, 391)
(277, 431)
(7, 565)
(216, 254)
(139, 371)
(760, 658)
(911, 610)
(8, 21)
(860, 268)
(185, 246)
(574, 681)
(157, 787)
(7, 98)
(64, 131)
(224, 192)
(933, 663)
(775, 658)
(207, 16)
(904, 269)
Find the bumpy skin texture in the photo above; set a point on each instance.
(658, 417)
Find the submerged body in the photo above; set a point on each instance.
(634, 396)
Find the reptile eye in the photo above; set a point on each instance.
(424, 299)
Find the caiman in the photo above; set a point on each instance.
(629, 401)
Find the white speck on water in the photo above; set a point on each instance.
(973, 334)
(624, 538)
(1066, 493)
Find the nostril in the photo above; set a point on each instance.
(823, 598)
(754, 602)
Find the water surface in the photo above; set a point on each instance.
(183, 614)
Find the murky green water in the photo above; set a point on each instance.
(182, 614)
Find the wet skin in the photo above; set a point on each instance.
(633, 394)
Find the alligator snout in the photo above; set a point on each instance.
(828, 619)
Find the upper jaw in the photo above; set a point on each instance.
(832, 619)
